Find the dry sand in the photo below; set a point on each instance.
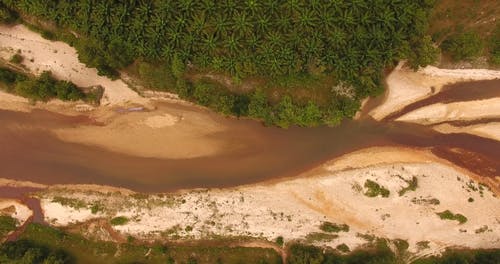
(406, 86)
(62, 60)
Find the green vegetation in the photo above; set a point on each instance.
(494, 46)
(333, 228)
(448, 215)
(317, 237)
(16, 58)
(269, 45)
(44, 87)
(25, 251)
(374, 189)
(412, 186)
(463, 46)
(71, 248)
(7, 224)
(121, 220)
(343, 248)
(480, 256)
(280, 241)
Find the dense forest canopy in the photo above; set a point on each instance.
(350, 40)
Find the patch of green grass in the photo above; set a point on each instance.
(374, 189)
(71, 202)
(343, 248)
(448, 215)
(333, 228)
(318, 236)
(412, 186)
(7, 224)
(17, 58)
(83, 250)
(280, 241)
(119, 220)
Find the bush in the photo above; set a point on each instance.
(448, 215)
(374, 189)
(119, 220)
(280, 241)
(463, 46)
(17, 58)
(7, 224)
(333, 228)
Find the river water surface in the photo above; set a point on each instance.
(29, 152)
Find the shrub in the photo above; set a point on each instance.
(333, 228)
(119, 220)
(412, 186)
(343, 248)
(448, 215)
(374, 189)
(280, 241)
(17, 58)
(463, 46)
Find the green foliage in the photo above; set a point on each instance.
(480, 256)
(25, 251)
(424, 54)
(83, 250)
(412, 186)
(448, 215)
(119, 220)
(463, 46)
(42, 88)
(7, 224)
(333, 228)
(495, 46)
(343, 248)
(6, 15)
(17, 58)
(354, 42)
(280, 241)
(374, 189)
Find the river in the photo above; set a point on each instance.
(28, 151)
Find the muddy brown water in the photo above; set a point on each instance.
(458, 92)
(29, 152)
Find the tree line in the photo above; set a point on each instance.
(351, 40)
(44, 87)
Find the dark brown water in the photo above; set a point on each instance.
(36, 155)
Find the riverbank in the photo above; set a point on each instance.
(295, 209)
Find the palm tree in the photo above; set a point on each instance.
(242, 24)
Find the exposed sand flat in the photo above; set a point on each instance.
(296, 208)
(488, 130)
(468, 110)
(407, 86)
(166, 132)
(15, 209)
(62, 60)
(13, 102)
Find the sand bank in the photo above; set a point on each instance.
(62, 60)
(406, 86)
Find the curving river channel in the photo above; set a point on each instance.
(29, 152)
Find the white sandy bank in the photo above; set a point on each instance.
(406, 86)
(62, 60)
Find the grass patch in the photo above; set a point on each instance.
(374, 189)
(318, 236)
(7, 224)
(81, 250)
(16, 58)
(119, 220)
(448, 215)
(333, 228)
(412, 186)
(71, 202)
